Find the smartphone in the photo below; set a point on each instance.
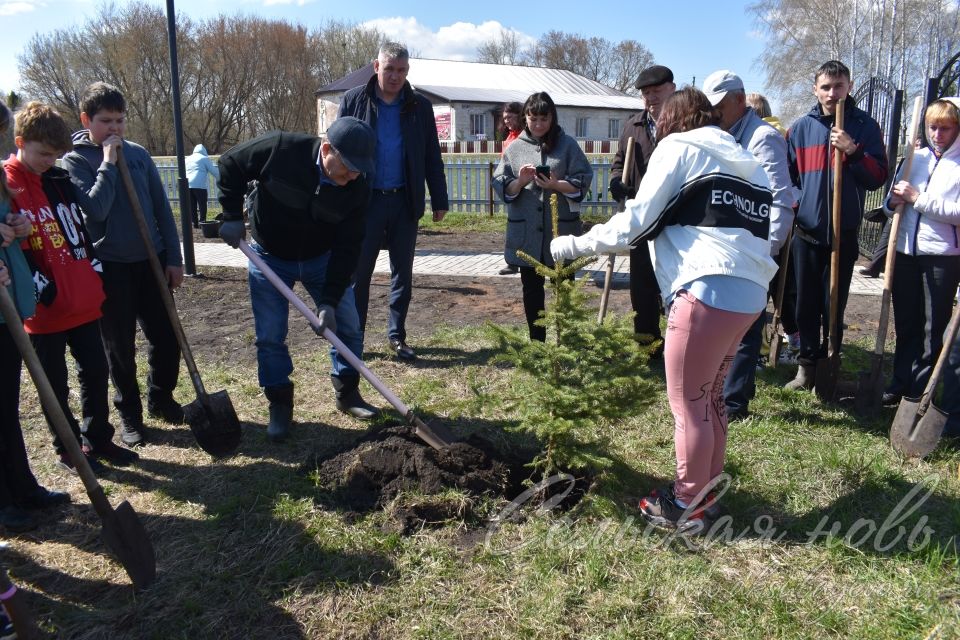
(543, 170)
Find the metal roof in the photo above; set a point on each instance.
(482, 82)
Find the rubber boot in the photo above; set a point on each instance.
(349, 400)
(281, 411)
(806, 374)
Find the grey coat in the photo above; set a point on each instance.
(529, 225)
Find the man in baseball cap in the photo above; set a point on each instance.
(724, 89)
(656, 85)
(307, 217)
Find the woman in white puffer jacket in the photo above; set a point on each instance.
(927, 268)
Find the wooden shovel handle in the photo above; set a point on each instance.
(835, 252)
(52, 406)
(948, 339)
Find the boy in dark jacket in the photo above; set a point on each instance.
(811, 143)
(67, 279)
(132, 293)
(307, 221)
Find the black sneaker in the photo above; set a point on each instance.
(508, 270)
(43, 498)
(167, 410)
(117, 456)
(402, 350)
(16, 520)
(661, 510)
(132, 434)
(710, 507)
(66, 464)
(890, 399)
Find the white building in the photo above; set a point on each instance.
(467, 98)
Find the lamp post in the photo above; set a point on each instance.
(183, 187)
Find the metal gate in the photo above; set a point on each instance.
(884, 103)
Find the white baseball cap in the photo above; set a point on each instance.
(719, 83)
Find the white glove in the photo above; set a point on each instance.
(563, 248)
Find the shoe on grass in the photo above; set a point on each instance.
(66, 464)
(16, 520)
(44, 498)
(115, 455)
(661, 510)
(167, 410)
(132, 434)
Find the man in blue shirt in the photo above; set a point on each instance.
(408, 154)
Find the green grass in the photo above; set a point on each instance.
(245, 547)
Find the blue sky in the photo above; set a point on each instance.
(693, 38)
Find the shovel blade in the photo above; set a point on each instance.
(913, 435)
(435, 435)
(125, 537)
(214, 423)
(826, 380)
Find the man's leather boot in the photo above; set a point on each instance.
(281, 411)
(806, 374)
(349, 400)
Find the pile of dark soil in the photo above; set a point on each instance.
(393, 460)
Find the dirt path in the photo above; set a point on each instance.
(220, 323)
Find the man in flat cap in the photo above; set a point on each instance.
(656, 85)
(724, 89)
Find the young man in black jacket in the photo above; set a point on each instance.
(408, 154)
(307, 221)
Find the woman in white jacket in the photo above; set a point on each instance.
(705, 205)
(927, 269)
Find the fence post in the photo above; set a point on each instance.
(490, 186)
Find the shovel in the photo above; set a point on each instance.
(434, 435)
(916, 430)
(870, 385)
(13, 601)
(122, 531)
(774, 357)
(608, 273)
(828, 368)
(211, 417)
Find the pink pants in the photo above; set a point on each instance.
(699, 347)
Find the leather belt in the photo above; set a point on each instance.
(389, 192)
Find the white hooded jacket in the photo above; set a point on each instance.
(705, 205)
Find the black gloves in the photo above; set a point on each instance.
(233, 232)
(327, 317)
(619, 191)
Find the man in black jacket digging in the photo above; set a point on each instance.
(307, 219)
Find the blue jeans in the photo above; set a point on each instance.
(271, 310)
(389, 223)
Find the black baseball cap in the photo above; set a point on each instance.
(652, 76)
(355, 141)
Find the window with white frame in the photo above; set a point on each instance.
(477, 122)
(613, 128)
(582, 127)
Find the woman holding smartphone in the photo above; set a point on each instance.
(543, 160)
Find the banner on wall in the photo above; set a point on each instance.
(444, 120)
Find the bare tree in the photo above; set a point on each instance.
(628, 59)
(902, 41)
(503, 49)
(239, 75)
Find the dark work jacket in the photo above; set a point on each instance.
(811, 168)
(292, 215)
(421, 147)
(643, 146)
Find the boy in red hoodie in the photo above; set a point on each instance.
(65, 271)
